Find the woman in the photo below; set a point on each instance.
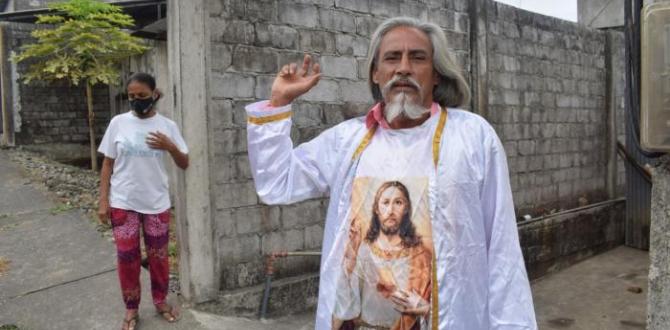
(134, 191)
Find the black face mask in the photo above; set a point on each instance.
(142, 106)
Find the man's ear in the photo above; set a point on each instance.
(374, 75)
(436, 78)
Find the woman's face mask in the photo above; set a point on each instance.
(142, 106)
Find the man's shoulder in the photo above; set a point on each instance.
(475, 124)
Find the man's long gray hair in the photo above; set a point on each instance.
(452, 90)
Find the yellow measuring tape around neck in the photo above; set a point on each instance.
(437, 138)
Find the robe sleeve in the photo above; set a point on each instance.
(510, 302)
(282, 174)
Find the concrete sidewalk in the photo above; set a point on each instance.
(62, 275)
(62, 272)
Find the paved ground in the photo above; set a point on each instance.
(61, 275)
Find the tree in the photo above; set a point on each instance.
(84, 42)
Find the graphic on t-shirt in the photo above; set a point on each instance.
(137, 146)
(385, 275)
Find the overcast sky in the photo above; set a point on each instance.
(565, 9)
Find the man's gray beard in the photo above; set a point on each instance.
(400, 105)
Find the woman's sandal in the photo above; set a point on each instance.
(168, 313)
(131, 323)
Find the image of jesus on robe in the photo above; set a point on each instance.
(385, 280)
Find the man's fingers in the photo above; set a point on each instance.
(316, 69)
(284, 70)
(305, 65)
(293, 68)
(313, 80)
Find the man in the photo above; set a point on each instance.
(376, 278)
(456, 167)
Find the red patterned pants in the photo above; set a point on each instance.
(126, 228)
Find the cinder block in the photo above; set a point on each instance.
(276, 36)
(230, 195)
(339, 67)
(355, 91)
(348, 44)
(362, 6)
(254, 59)
(297, 14)
(317, 41)
(337, 20)
(278, 241)
(239, 249)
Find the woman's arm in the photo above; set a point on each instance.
(105, 177)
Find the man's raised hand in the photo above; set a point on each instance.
(292, 81)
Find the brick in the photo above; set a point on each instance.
(317, 41)
(307, 114)
(414, 9)
(221, 113)
(276, 36)
(358, 92)
(337, 20)
(222, 56)
(324, 91)
(303, 214)
(232, 31)
(233, 85)
(289, 240)
(351, 45)
(264, 86)
(257, 219)
(313, 236)
(362, 6)
(442, 17)
(235, 195)
(229, 141)
(298, 14)
(385, 8)
(339, 67)
(238, 249)
(261, 10)
(366, 25)
(241, 167)
(254, 59)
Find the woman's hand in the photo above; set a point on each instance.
(292, 82)
(103, 212)
(160, 141)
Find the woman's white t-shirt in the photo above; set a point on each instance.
(139, 180)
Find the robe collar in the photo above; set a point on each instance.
(375, 115)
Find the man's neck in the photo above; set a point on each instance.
(401, 121)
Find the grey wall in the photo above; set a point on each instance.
(548, 100)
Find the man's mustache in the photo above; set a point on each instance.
(399, 80)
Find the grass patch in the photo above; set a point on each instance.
(8, 327)
(4, 267)
(60, 208)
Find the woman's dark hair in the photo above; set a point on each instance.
(143, 78)
(406, 230)
(146, 79)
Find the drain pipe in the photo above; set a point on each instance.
(270, 270)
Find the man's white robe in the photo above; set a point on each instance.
(482, 280)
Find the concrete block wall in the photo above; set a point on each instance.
(548, 102)
(250, 41)
(54, 112)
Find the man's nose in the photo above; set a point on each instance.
(404, 67)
